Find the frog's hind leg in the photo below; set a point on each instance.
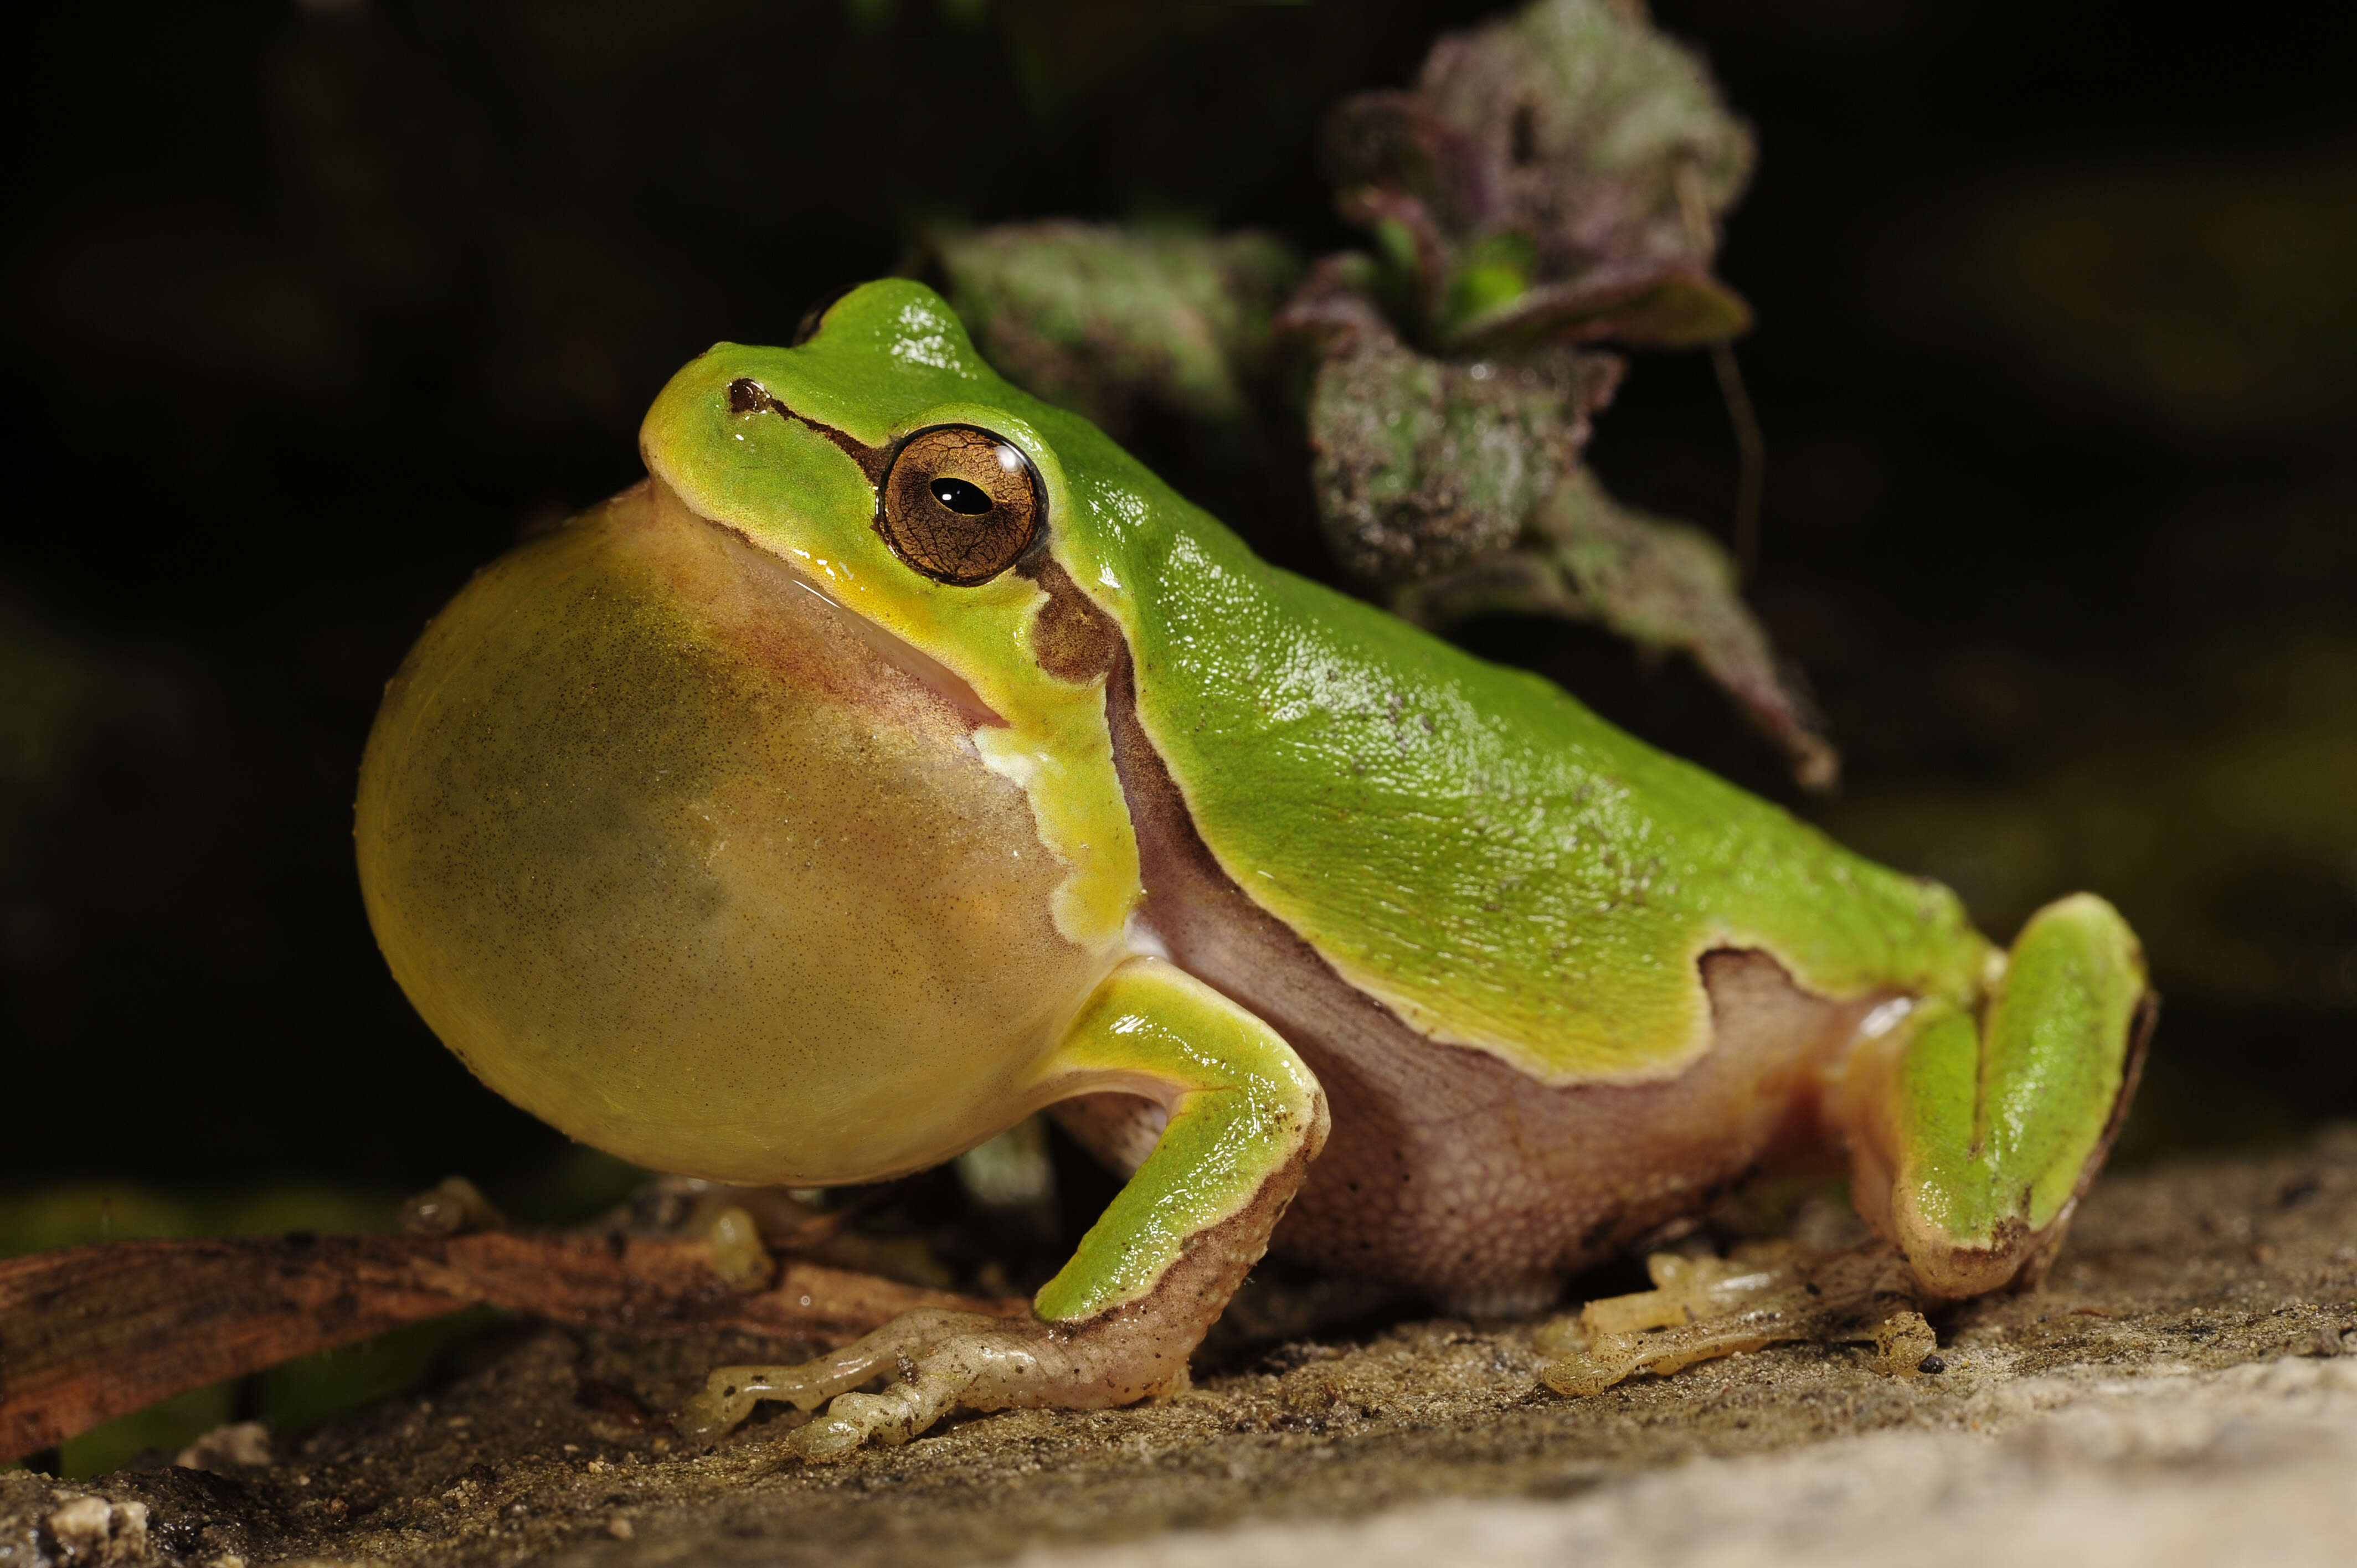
(1972, 1135)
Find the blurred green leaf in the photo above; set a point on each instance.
(1554, 177)
(1106, 320)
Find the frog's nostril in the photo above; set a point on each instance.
(747, 396)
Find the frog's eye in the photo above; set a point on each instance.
(959, 504)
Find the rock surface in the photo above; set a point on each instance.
(2183, 1389)
(2251, 1465)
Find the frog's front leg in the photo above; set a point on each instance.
(1119, 1321)
(1972, 1137)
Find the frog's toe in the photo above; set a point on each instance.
(730, 1393)
(932, 1363)
(987, 1365)
(1765, 1293)
(1698, 1309)
(890, 1418)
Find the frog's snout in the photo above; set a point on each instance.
(674, 858)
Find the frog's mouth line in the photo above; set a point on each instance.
(905, 657)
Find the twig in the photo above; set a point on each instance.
(1751, 445)
(90, 1333)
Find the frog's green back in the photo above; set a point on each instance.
(1463, 840)
(1466, 842)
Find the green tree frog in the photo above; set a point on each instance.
(901, 758)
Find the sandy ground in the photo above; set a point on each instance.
(2184, 1389)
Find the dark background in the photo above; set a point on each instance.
(311, 306)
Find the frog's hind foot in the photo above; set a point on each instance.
(1974, 1132)
(1762, 1294)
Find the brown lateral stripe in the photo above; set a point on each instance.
(746, 395)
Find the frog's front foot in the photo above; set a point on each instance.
(1119, 1321)
(938, 1361)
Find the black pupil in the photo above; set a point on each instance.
(960, 495)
